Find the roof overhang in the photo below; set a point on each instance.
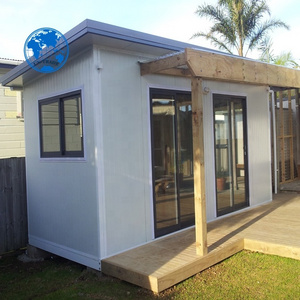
(91, 32)
(222, 67)
(174, 58)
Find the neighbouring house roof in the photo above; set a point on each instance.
(8, 63)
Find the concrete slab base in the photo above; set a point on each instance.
(34, 254)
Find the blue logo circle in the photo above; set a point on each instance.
(46, 50)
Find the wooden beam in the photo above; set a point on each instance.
(162, 64)
(182, 72)
(213, 66)
(222, 67)
(199, 175)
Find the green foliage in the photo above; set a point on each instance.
(237, 24)
(284, 59)
(266, 50)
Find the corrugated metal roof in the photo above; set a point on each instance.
(10, 61)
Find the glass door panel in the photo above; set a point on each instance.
(166, 202)
(239, 155)
(172, 161)
(185, 159)
(230, 153)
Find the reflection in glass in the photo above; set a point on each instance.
(73, 124)
(50, 127)
(230, 153)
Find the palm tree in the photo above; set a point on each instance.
(238, 24)
(285, 59)
(266, 51)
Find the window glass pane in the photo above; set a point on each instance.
(185, 159)
(172, 159)
(50, 127)
(73, 124)
(164, 162)
(230, 153)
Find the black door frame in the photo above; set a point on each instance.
(231, 98)
(160, 232)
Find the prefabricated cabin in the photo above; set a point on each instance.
(118, 153)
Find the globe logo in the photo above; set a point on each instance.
(46, 50)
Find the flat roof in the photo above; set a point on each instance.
(93, 32)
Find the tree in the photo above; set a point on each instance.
(238, 24)
(283, 59)
(266, 50)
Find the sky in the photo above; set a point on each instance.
(174, 19)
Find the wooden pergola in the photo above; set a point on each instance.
(199, 65)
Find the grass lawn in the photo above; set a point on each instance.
(246, 275)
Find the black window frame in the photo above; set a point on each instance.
(218, 98)
(62, 153)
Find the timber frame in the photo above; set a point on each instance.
(199, 65)
(222, 67)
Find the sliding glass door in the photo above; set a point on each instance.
(172, 160)
(230, 153)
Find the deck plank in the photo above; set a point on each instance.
(272, 228)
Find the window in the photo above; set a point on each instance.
(61, 133)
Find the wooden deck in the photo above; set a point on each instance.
(273, 228)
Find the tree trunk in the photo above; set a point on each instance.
(241, 50)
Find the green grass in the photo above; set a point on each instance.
(245, 275)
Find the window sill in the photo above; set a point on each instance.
(63, 159)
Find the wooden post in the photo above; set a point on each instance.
(199, 176)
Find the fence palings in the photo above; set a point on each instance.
(13, 204)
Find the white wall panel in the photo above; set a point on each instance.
(62, 197)
(126, 140)
(124, 163)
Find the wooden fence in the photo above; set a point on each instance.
(287, 135)
(13, 204)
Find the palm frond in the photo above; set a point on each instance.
(237, 24)
(265, 48)
(222, 33)
(285, 59)
(262, 30)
